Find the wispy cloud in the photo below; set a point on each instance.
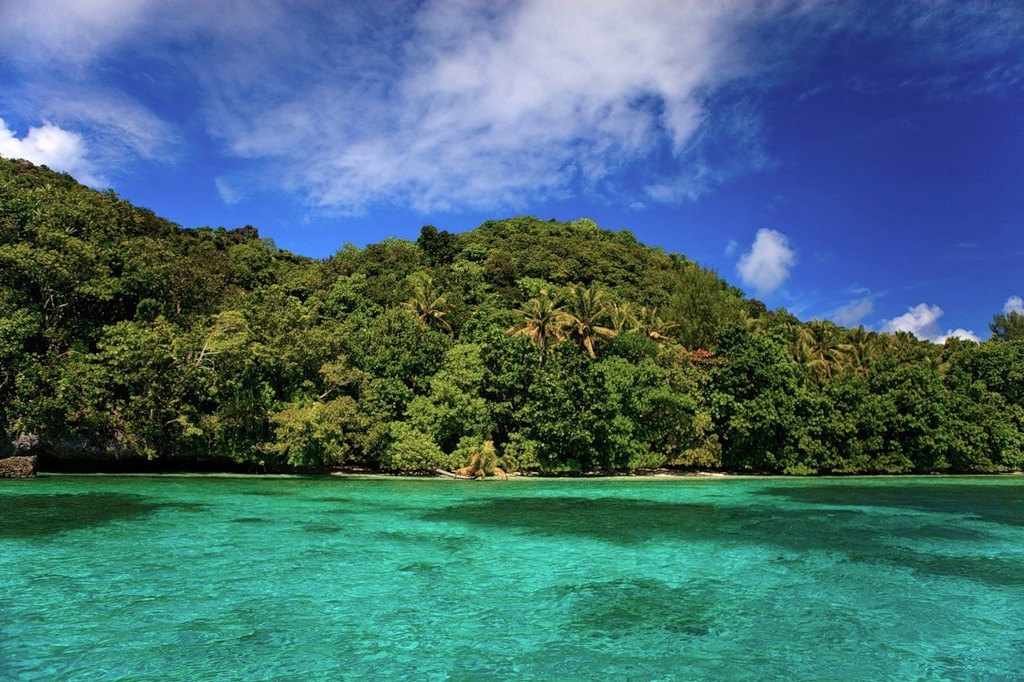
(447, 103)
(68, 33)
(503, 104)
(766, 266)
(444, 104)
(853, 312)
(1014, 304)
(228, 193)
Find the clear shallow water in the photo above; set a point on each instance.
(262, 578)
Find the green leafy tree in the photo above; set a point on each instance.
(412, 450)
(454, 409)
(859, 351)
(438, 247)
(755, 396)
(318, 434)
(1008, 326)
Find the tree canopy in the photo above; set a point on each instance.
(537, 345)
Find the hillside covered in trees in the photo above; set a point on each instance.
(126, 338)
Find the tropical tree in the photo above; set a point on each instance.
(483, 462)
(860, 350)
(817, 349)
(584, 310)
(1007, 327)
(428, 304)
(900, 342)
(621, 317)
(543, 321)
(650, 323)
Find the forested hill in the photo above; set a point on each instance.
(527, 344)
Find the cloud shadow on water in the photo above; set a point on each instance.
(28, 516)
(994, 503)
(850, 534)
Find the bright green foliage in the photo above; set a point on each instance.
(319, 434)
(701, 304)
(641, 421)
(537, 344)
(756, 402)
(412, 450)
(454, 408)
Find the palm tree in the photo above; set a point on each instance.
(621, 317)
(860, 350)
(584, 309)
(543, 320)
(483, 462)
(429, 305)
(900, 342)
(817, 348)
(653, 326)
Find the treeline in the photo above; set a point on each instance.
(565, 346)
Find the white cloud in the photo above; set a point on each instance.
(853, 312)
(228, 193)
(50, 145)
(503, 104)
(1014, 304)
(766, 266)
(68, 32)
(122, 128)
(731, 246)
(445, 103)
(958, 333)
(922, 322)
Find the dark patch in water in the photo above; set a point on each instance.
(332, 500)
(187, 506)
(854, 534)
(621, 609)
(618, 520)
(250, 519)
(328, 528)
(996, 503)
(26, 516)
(421, 568)
(272, 492)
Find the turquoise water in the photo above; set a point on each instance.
(125, 577)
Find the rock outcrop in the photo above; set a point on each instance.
(18, 467)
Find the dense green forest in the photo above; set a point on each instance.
(565, 346)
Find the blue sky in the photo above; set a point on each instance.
(857, 161)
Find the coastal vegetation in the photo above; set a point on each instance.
(521, 345)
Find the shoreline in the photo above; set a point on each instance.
(657, 475)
